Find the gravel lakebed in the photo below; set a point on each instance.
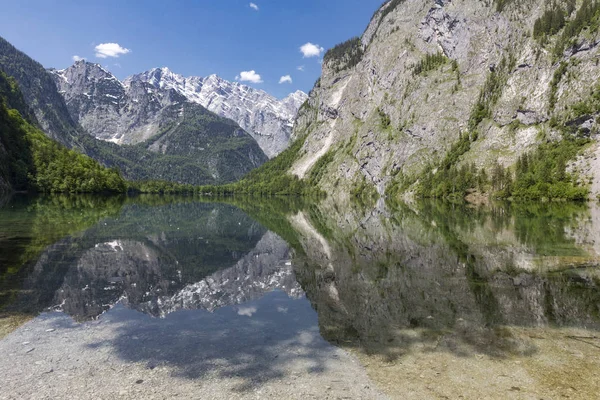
(125, 354)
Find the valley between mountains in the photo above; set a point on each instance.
(153, 126)
(423, 223)
(446, 99)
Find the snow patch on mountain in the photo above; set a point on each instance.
(267, 119)
(134, 110)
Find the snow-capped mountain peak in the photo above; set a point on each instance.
(266, 118)
(128, 111)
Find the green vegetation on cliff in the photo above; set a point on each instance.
(448, 180)
(33, 161)
(344, 55)
(542, 173)
(39, 92)
(550, 23)
(539, 174)
(491, 92)
(429, 63)
(271, 178)
(587, 17)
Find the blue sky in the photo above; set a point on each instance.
(191, 37)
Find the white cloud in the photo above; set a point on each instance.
(254, 6)
(249, 76)
(246, 311)
(77, 58)
(285, 79)
(105, 50)
(300, 68)
(311, 50)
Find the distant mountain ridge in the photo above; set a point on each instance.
(190, 144)
(268, 120)
(132, 111)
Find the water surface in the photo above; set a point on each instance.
(434, 299)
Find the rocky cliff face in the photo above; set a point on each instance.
(132, 111)
(108, 110)
(425, 72)
(268, 120)
(160, 119)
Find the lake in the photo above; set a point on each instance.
(153, 297)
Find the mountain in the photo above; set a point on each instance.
(156, 119)
(191, 144)
(268, 120)
(132, 111)
(39, 92)
(447, 97)
(108, 110)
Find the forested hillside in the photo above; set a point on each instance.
(29, 160)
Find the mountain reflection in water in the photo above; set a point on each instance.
(430, 276)
(158, 259)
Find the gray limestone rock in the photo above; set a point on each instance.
(382, 116)
(132, 111)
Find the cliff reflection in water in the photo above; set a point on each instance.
(449, 277)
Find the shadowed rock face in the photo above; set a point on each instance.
(387, 282)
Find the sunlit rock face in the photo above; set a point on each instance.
(379, 113)
(267, 119)
(142, 105)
